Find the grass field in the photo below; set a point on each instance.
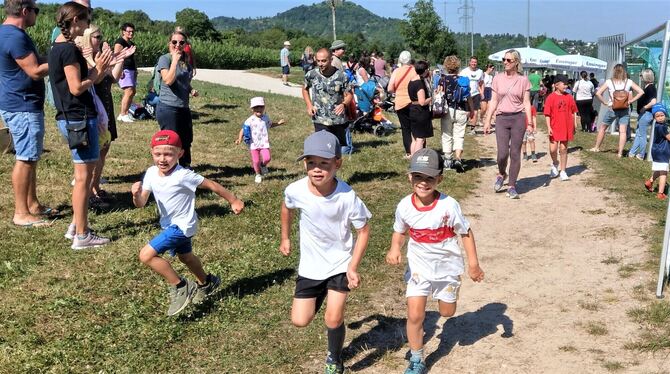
(102, 310)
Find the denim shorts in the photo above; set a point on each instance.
(90, 153)
(27, 131)
(173, 240)
(621, 117)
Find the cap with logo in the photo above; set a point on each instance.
(426, 161)
(321, 144)
(166, 137)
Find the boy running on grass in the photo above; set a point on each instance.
(329, 256)
(174, 191)
(434, 260)
(559, 112)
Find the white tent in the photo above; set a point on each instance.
(530, 57)
(577, 63)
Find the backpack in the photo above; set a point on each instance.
(457, 91)
(155, 81)
(620, 97)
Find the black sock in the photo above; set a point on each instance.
(335, 344)
(206, 281)
(182, 283)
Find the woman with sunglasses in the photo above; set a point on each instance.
(510, 102)
(70, 79)
(173, 112)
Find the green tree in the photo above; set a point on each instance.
(197, 24)
(424, 32)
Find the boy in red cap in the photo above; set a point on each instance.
(174, 191)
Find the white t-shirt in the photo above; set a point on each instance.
(326, 240)
(432, 251)
(583, 90)
(475, 76)
(259, 131)
(488, 79)
(175, 197)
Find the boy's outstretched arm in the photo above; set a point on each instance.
(476, 273)
(235, 204)
(140, 196)
(362, 236)
(286, 219)
(394, 256)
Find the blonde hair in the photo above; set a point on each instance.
(619, 73)
(517, 58)
(84, 41)
(647, 76)
(452, 64)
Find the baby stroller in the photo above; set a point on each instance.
(370, 118)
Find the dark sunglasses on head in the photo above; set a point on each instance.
(36, 10)
(180, 42)
(510, 60)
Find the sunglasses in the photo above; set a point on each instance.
(508, 60)
(99, 37)
(180, 42)
(36, 10)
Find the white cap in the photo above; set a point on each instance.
(257, 101)
(287, 43)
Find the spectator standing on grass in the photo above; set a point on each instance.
(511, 104)
(327, 93)
(70, 80)
(173, 111)
(22, 107)
(613, 117)
(128, 79)
(644, 116)
(329, 256)
(435, 263)
(285, 62)
(584, 91)
(399, 84)
(174, 188)
(337, 49)
(476, 77)
(660, 151)
(420, 116)
(559, 112)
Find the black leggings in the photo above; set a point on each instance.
(509, 136)
(178, 120)
(585, 108)
(405, 128)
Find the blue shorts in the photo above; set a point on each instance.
(90, 153)
(27, 131)
(171, 239)
(286, 70)
(620, 117)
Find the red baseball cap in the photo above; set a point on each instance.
(166, 137)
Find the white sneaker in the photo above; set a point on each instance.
(553, 173)
(125, 118)
(258, 179)
(564, 176)
(264, 170)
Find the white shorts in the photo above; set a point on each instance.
(445, 289)
(659, 166)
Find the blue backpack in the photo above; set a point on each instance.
(457, 91)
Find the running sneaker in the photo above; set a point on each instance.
(416, 367)
(448, 163)
(90, 241)
(458, 165)
(649, 185)
(498, 183)
(71, 231)
(125, 118)
(564, 176)
(553, 173)
(180, 297)
(334, 368)
(258, 178)
(512, 194)
(264, 170)
(661, 196)
(207, 289)
(533, 157)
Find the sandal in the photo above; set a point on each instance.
(38, 223)
(46, 211)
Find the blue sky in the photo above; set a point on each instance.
(586, 20)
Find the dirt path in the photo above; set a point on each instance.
(552, 263)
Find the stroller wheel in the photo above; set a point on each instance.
(379, 130)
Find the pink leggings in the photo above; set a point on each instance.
(256, 155)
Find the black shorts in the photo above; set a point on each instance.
(286, 70)
(488, 93)
(476, 102)
(306, 288)
(340, 131)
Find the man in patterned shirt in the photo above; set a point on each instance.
(326, 94)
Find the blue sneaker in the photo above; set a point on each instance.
(497, 186)
(512, 194)
(416, 367)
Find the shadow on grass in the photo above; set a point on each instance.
(219, 106)
(129, 178)
(468, 328)
(388, 335)
(212, 121)
(371, 143)
(359, 177)
(128, 228)
(217, 172)
(239, 290)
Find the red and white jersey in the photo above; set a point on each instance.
(432, 251)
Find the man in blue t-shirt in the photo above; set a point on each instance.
(285, 62)
(22, 107)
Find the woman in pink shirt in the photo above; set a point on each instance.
(510, 102)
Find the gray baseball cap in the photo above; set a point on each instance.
(426, 161)
(321, 144)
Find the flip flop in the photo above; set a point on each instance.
(46, 211)
(38, 223)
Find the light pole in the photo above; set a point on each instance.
(333, 4)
